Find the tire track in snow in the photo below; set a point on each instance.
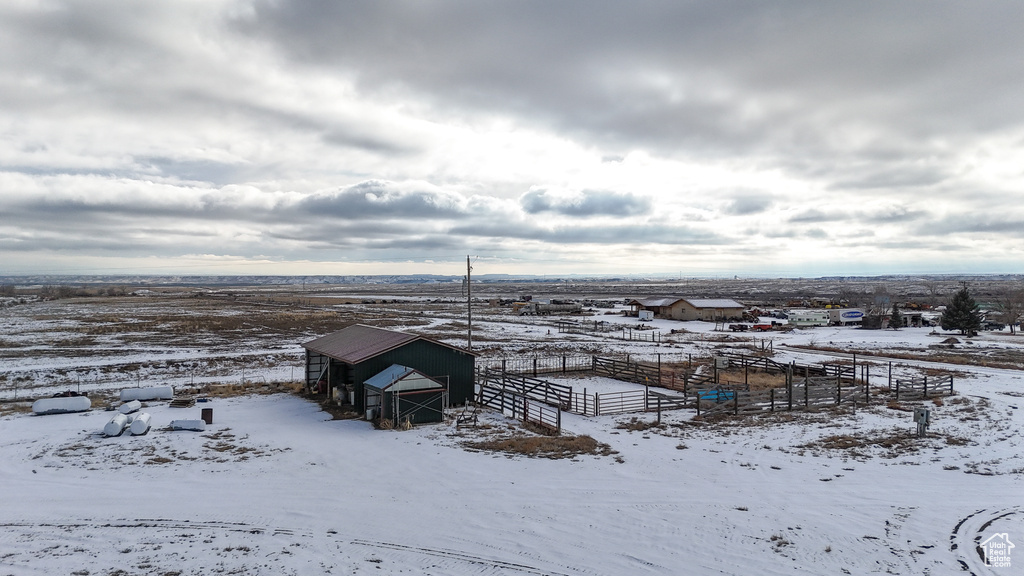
(452, 559)
(966, 537)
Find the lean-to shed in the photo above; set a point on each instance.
(400, 393)
(346, 359)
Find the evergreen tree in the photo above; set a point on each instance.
(896, 318)
(962, 313)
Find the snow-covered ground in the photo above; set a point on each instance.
(275, 486)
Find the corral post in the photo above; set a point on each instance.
(503, 364)
(867, 384)
(659, 409)
(771, 394)
(839, 389)
(807, 389)
(563, 363)
(890, 380)
(897, 390)
(926, 387)
(558, 421)
(854, 368)
(534, 366)
(789, 386)
(735, 402)
(689, 360)
(597, 404)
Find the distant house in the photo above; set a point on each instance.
(676, 308)
(345, 360)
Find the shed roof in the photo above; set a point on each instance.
(713, 303)
(655, 302)
(695, 302)
(360, 342)
(397, 378)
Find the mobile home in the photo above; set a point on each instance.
(808, 318)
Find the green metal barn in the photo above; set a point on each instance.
(341, 363)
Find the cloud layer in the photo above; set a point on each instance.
(715, 138)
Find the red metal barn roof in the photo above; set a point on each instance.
(359, 342)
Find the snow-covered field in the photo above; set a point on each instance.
(275, 486)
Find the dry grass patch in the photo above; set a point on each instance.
(635, 424)
(554, 447)
(892, 443)
(7, 408)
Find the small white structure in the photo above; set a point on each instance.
(194, 425)
(129, 407)
(62, 405)
(153, 393)
(807, 318)
(116, 425)
(645, 315)
(141, 424)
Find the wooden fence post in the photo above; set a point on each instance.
(771, 394)
(926, 387)
(890, 382)
(897, 388)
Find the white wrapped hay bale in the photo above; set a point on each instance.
(141, 424)
(116, 425)
(62, 405)
(153, 393)
(195, 425)
(129, 407)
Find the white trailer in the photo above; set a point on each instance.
(808, 318)
(844, 316)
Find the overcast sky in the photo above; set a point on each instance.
(694, 138)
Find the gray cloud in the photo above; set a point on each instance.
(586, 203)
(746, 205)
(378, 199)
(814, 215)
(314, 127)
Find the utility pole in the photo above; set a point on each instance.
(469, 300)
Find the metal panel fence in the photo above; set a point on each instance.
(520, 407)
(916, 388)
